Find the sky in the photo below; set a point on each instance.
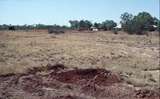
(19, 12)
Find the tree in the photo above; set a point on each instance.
(85, 25)
(98, 25)
(108, 24)
(4, 27)
(12, 28)
(74, 24)
(88, 24)
(143, 21)
(137, 24)
(126, 21)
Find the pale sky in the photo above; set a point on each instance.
(61, 11)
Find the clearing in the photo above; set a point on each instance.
(133, 60)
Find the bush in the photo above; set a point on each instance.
(11, 28)
(55, 31)
(115, 31)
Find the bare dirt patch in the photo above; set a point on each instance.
(60, 82)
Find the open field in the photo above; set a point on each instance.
(135, 58)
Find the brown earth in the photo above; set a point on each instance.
(135, 57)
(99, 65)
(60, 82)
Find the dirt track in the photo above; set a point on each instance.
(60, 82)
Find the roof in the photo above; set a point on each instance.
(154, 26)
(93, 27)
(118, 26)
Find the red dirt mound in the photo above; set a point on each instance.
(59, 82)
(83, 76)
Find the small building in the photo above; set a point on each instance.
(154, 26)
(94, 29)
(118, 27)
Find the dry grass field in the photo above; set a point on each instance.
(135, 58)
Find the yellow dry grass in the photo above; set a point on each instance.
(134, 57)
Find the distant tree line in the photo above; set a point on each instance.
(86, 25)
(31, 27)
(137, 24)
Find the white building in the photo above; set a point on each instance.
(118, 26)
(94, 29)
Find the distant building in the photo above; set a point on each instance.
(94, 29)
(154, 26)
(118, 26)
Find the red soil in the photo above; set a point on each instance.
(59, 82)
